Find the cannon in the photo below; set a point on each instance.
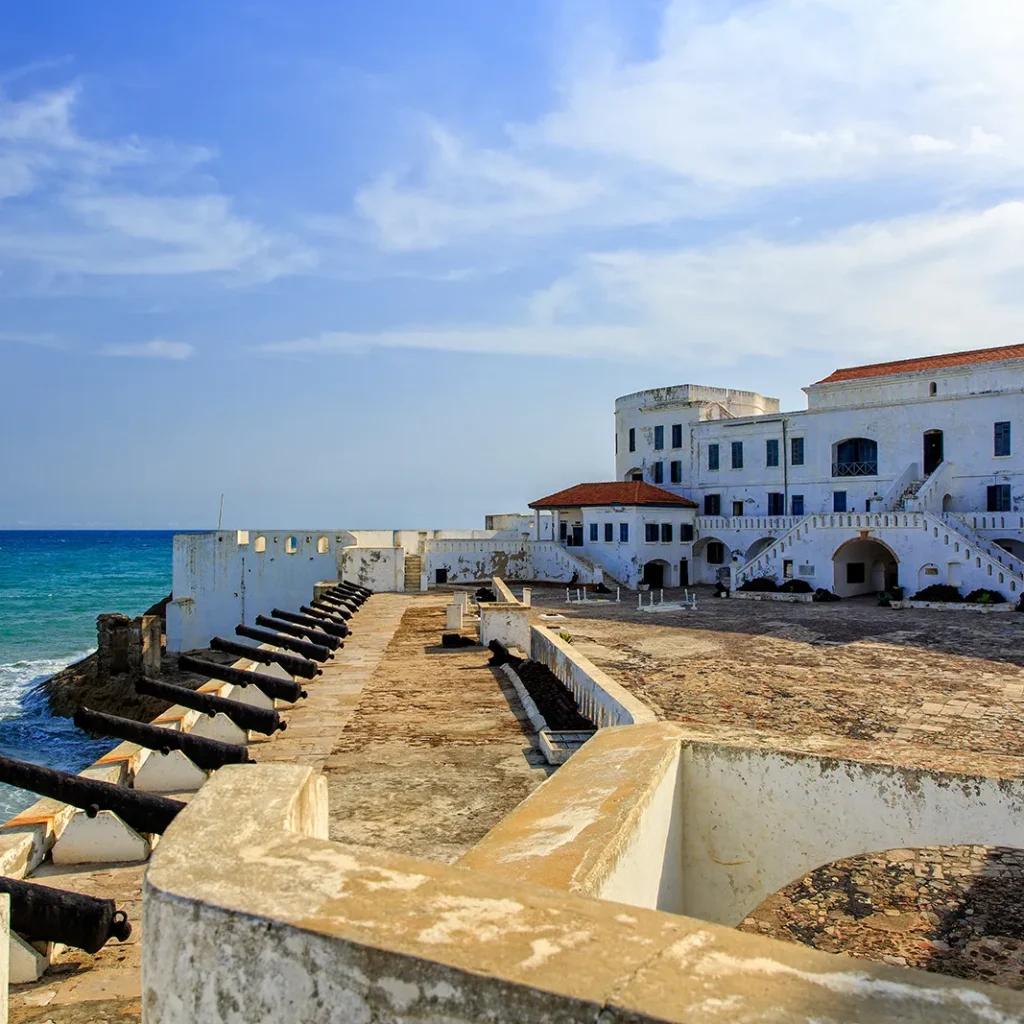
(326, 605)
(342, 605)
(245, 716)
(207, 754)
(43, 914)
(344, 597)
(291, 664)
(331, 628)
(352, 588)
(303, 647)
(316, 636)
(325, 614)
(283, 689)
(144, 812)
(349, 592)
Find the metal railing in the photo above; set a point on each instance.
(855, 468)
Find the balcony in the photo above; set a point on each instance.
(855, 468)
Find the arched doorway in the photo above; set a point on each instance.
(634, 474)
(684, 572)
(710, 557)
(933, 455)
(947, 503)
(864, 566)
(657, 573)
(757, 547)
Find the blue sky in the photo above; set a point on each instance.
(390, 264)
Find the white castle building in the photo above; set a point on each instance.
(903, 473)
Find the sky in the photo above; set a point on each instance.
(390, 264)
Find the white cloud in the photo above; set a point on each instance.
(156, 349)
(75, 212)
(731, 104)
(914, 285)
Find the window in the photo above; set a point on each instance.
(771, 452)
(624, 533)
(716, 553)
(933, 388)
(999, 498)
(676, 472)
(796, 451)
(666, 533)
(632, 439)
(737, 508)
(609, 533)
(658, 472)
(562, 530)
(776, 503)
(637, 477)
(839, 501)
(857, 456)
(1002, 438)
(677, 435)
(737, 455)
(712, 504)
(787, 568)
(593, 532)
(797, 505)
(659, 438)
(855, 572)
(686, 533)
(712, 456)
(651, 533)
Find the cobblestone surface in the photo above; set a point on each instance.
(851, 670)
(955, 910)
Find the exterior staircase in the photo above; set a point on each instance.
(413, 571)
(909, 492)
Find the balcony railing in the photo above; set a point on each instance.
(855, 469)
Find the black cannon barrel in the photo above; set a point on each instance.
(347, 594)
(355, 588)
(144, 812)
(332, 604)
(331, 628)
(316, 636)
(283, 689)
(245, 716)
(323, 613)
(289, 662)
(208, 754)
(43, 914)
(303, 647)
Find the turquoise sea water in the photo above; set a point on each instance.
(53, 584)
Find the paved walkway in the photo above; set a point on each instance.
(83, 989)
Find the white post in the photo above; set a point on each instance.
(618, 595)
(527, 596)
(662, 595)
(640, 600)
(567, 600)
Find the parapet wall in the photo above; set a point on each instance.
(224, 578)
(249, 915)
(598, 696)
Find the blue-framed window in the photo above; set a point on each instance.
(658, 472)
(712, 456)
(609, 532)
(839, 501)
(1002, 438)
(737, 455)
(797, 504)
(776, 503)
(624, 533)
(659, 438)
(771, 452)
(593, 532)
(796, 451)
(676, 474)
(677, 435)
(632, 439)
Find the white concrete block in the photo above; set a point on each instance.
(251, 695)
(527, 597)
(462, 599)
(173, 772)
(453, 616)
(25, 964)
(220, 727)
(105, 839)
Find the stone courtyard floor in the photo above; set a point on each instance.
(930, 688)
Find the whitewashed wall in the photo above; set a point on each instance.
(895, 412)
(380, 569)
(222, 579)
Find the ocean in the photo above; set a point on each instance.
(53, 584)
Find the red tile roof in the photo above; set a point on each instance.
(979, 355)
(616, 492)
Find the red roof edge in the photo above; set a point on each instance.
(613, 492)
(949, 360)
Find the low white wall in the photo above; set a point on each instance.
(754, 820)
(221, 579)
(473, 561)
(380, 569)
(509, 624)
(597, 695)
